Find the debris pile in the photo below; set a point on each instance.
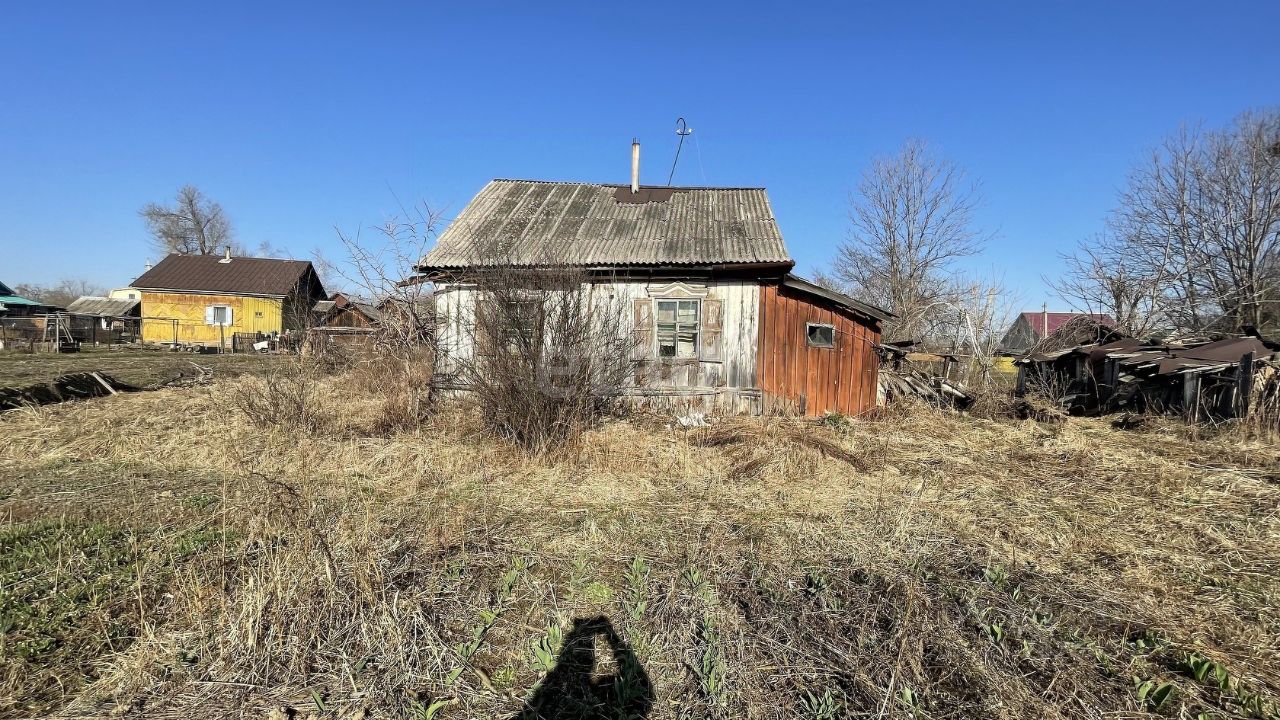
(903, 374)
(1200, 379)
(75, 386)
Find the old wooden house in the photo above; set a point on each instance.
(1030, 329)
(721, 322)
(211, 299)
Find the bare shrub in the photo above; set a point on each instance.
(401, 385)
(287, 396)
(552, 352)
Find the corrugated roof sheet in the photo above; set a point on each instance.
(537, 223)
(209, 273)
(102, 307)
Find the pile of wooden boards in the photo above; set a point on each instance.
(75, 386)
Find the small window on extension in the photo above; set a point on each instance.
(820, 336)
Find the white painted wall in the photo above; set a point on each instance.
(723, 382)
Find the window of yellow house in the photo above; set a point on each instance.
(218, 315)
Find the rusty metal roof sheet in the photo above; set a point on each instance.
(537, 223)
(240, 276)
(1229, 350)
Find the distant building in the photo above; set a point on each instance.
(99, 319)
(14, 305)
(207, 299)
(341, 310)
(126, 293)
(1031, 328)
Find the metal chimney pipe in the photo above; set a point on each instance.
(228, 253)
(635, 165)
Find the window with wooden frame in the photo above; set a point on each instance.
(521, 324)
(677, 325)
(820, 335)
(217, 315)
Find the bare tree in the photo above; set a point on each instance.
(912, 220)
(1195, 241)
(1099, 279)
(378, 267)
(61, 294)
(192, 225)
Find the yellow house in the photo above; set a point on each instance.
(208, 299)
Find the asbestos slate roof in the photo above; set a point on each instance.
(102, 307)
(212, 274)
(537, 223)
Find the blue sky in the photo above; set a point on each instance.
(303, 117)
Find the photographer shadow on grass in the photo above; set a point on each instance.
(576, 689)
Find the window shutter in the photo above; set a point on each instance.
(208, 315)
(711, 348)
(230, 319)
(484, 324)
(642, 329)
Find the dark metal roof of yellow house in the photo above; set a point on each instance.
(217, 274)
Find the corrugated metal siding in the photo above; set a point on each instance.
(582, 224)
(796, 377)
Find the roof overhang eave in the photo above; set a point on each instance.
(273, 296)
(796, 282)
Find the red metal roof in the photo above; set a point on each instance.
(1058, 319)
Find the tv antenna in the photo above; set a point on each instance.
(683, 130)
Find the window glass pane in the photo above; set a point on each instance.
(687, 343)
(666, 311)
(822, 336)
(666, 341)
(688, 312)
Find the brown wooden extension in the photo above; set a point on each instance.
(796, 377)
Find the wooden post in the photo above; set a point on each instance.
(1191, 396)
(1244, 385)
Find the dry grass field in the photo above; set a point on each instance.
(161, 556)
(135, 366)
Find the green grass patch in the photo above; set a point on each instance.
(72, 593)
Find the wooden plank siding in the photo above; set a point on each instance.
(180, 317)
(795, 377)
